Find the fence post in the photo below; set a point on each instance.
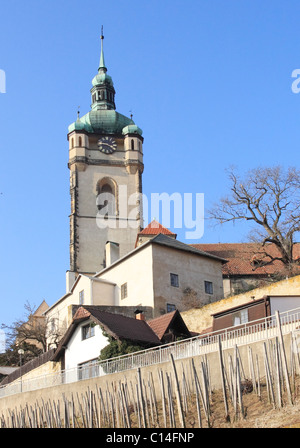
(223, 377)
(284, 362)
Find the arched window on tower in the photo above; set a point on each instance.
(132, 144)
(106, 199)
(72, 142)
(79, 141)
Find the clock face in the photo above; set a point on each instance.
(107, 145)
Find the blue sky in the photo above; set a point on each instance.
(209, 82)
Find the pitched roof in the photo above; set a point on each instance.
(160, 325)
(241, 257)
(116, 325)
(155, 228)
(121, 327)
(164, 240)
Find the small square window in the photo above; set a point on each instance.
(124, 291)
(170, 307)
(174, 279)
(88, 331)
(208, 287)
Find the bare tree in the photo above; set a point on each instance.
(270, 198)
(29, 333)
(190, 299)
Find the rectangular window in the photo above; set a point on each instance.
(208, 287)
(88, 331)
(81, 297)
(174, 279)
(124, 291)
(170, 307)
(240, 317)
(88, 369)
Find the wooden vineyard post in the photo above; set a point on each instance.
(179, 403)
(285, 369)
(223, 378)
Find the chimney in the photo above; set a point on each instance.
(139, 315)
(112, 252)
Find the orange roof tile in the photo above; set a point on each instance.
(160, 324)
(241, 257)
(155, 228)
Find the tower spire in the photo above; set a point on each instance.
(102, 67)
(103, 92)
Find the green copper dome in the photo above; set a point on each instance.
(132, 129)
(103, 117)
(102, 121)
(102, 78)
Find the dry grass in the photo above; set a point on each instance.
(259, 413)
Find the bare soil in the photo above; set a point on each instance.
(258, 412)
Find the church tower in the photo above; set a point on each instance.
(106, 166)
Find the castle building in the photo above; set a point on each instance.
(106, 166)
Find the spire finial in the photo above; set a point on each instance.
(102, 63)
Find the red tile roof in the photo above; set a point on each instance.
(241, 257)
(160, 324)
(154, 228)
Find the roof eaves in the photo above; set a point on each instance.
(175, 244)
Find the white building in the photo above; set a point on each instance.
(154, 276)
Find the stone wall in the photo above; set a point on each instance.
(72, 389)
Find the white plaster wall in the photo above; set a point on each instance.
(60, 310)
(137, 272)
(95, 293)
(102, 293)
(79, 351)
(84, 284)
(192, 271)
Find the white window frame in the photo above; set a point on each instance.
(240, 317)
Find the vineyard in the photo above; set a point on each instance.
(182, 396)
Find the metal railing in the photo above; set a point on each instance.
(254, 331)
